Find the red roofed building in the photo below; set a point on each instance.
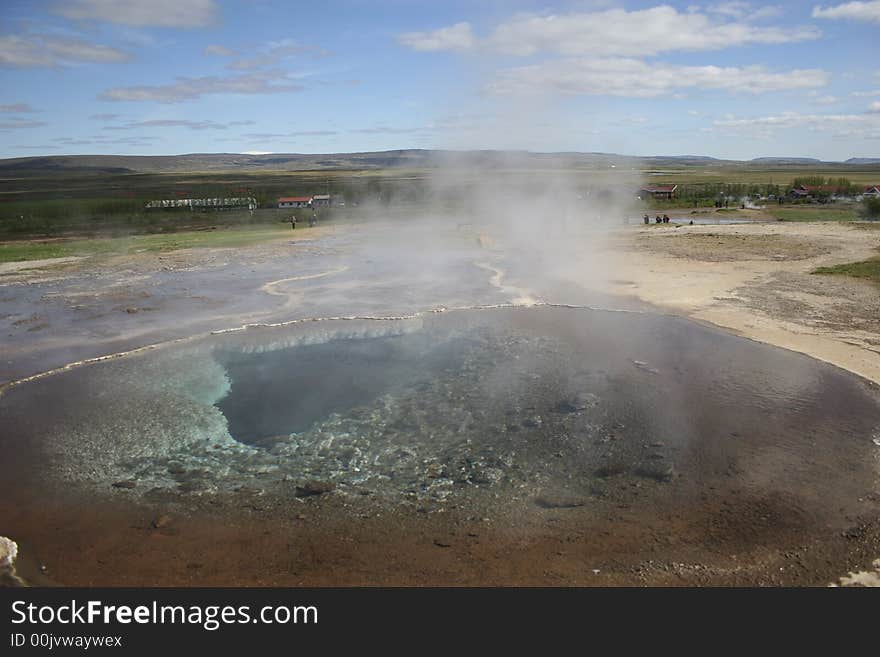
(872, 190)
(825, 189)
(658, 191)
(819, 191)
(295, 202)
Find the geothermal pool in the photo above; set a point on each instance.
(489, 408)
(513, 433)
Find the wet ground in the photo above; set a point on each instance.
(544, 444)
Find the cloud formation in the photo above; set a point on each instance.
(17, 108)
(283, 135)
(177, 123)
(859, 126)
(637, 79)
(143, 13)
(620, 32)
(384, 130)
(35, 50)
(824, 100)
(262, 82)
(856, 11)
(219, 51)
(457, 38)
(273, 54)
(744, 10)
(17, 124)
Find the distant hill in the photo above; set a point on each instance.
(786, 160)
(207, 162)
(412, 158)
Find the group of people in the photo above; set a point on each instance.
(313, 220)
(658, 219)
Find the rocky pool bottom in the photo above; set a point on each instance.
(505, 445)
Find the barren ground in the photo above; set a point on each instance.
(755, 280)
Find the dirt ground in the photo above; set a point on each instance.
(753, 280)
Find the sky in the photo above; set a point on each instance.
(727, 79)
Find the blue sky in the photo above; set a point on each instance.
(728, 79)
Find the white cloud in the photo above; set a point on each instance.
(638, 79)
(384, 130)
(733, 9)
(103, 117)
(286, 135)
(824, 100)
(856, 11)
(273, 54)
(170, 123)
(866, 94)
(35, 50)
(610, 32)
(855, 126)
(17, 108)
(219, 51)
(103, 141)
(250, 63)
(143, 13)
(874, 107)
(265, 82)
(632, 120)
(286, 47)
(459, 37)
(16, 124)
(643, 32)
(745, 11)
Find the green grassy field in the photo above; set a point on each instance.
(18, 251)
(75, 204)
(866, 269)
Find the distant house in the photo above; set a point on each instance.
(873, 191)
(819, 191)
(321, 201)
(295, 202)
(666, 192)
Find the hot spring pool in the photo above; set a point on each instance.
(492, 408)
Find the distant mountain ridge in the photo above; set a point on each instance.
(409, 158)
(786, 160)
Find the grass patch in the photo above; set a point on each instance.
(866, 270)
(814, 213)
(20, 251)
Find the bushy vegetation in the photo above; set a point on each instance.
(870, 209)
(842, 185)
